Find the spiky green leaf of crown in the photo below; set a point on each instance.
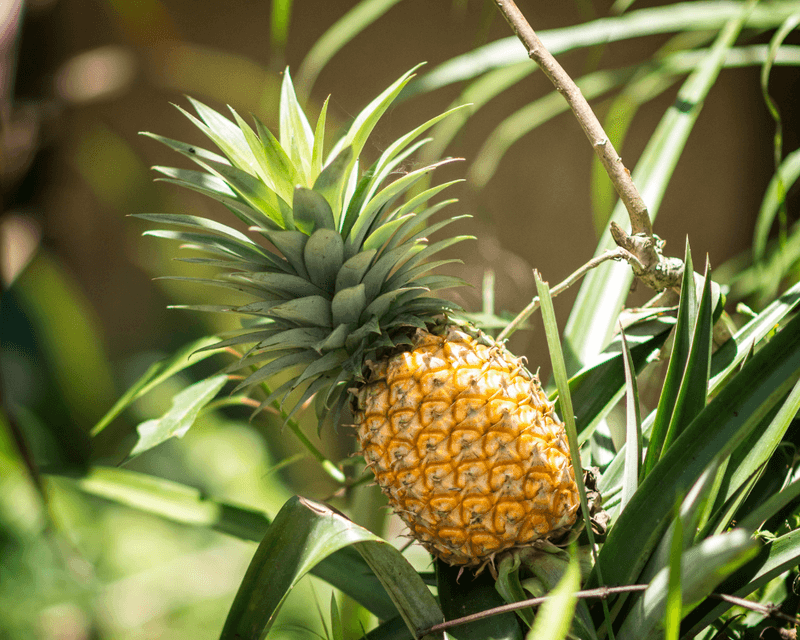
(351, 272)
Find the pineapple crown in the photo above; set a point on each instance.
(350, 273)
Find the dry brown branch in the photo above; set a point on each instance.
(603, 593)
(650, 266)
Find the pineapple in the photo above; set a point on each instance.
(459, 434)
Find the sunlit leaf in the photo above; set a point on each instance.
(186, 406)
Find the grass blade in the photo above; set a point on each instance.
(633, 434)
(555, 615)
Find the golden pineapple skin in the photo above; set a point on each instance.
(466, 446)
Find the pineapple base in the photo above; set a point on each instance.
(466, 446)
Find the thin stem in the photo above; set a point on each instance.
(603, 593)
(617, 254)
(612, 162)
(329, 467)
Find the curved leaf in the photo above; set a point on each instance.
(717, 431)
(345, 569)
(303, 534)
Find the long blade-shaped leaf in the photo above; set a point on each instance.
(717, 431)
(681, 16)
(681, 345)
(302, 534)
(694, 384)
(718, 557)
(772, 560)
(633, 432)
(345, 569)
(555, 616)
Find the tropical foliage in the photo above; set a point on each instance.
(683, 412)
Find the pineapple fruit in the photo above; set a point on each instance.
(458, 432)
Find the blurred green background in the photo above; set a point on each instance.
(81, 317)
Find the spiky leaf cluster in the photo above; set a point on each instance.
(348, 269)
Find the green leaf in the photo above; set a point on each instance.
(596, 389)
(751, 456)
(633, 432)
(335, 339)
(282, 362)
(272, 165)
(772, 560)
(185, 408)
(311, 310)
(724, 423)
(303, 534)
(508, 585)
(344, 569)
(354, 269)
(214, 187)
(332, 180)
(718, 557)
(296, 136)
(734, 351)
(469, 595)
(681, 346)
(257, 194)
(555, 616)
(324, 256)
(682, 16)
(367, 119)
(157, 373)
(292, 286)
(203, 224)
(311, 211)
(282, 172)
(785, 177)
(673, 613)
(318, 152)
(398, 146)
(292, 245)
(373, 208)
(226, 247)
(694, 384)
(225, 134)
(348, 304)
